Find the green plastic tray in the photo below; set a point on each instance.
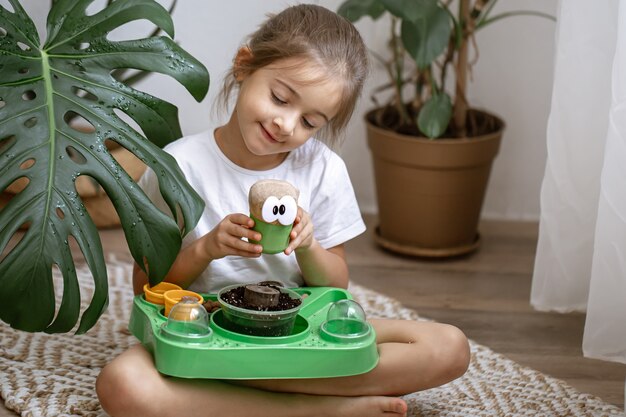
(228, 355)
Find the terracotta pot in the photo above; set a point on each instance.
(430, 192)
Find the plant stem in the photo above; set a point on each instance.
(447, 60)
(460, 101)
(398, 59)
(419, 87)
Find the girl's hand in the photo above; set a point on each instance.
(226, 238)
(301, 236)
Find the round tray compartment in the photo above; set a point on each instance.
(300, 331)
(259, 323)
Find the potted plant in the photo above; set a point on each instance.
(43, 89)
(432, 153)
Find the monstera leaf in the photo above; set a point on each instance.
(42, 88)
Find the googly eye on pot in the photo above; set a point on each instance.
(273, 207)
(287, 210)
(270, 210)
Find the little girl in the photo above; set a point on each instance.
(299, 76)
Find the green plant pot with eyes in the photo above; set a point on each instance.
(275, 237)
(273, 207)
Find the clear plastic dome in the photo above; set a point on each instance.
(345, 322)
(346, 309)
(188, 319)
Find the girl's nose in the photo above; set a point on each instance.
(286, 124)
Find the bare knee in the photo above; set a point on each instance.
(114, 390)
(454, 351)
(123, 389)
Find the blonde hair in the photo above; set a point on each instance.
(316, 33)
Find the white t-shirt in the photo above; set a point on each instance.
(325, 193)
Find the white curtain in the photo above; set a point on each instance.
(581, 254)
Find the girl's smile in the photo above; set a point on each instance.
(267, 134)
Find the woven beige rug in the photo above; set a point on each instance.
(54, 375)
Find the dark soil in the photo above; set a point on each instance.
(478, 123)
(235, 297)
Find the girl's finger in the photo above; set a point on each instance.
(295, 231)
(240, 245)
(241, 231)
(298, 216)
(245, 254)
(241, 219)
(293, 244)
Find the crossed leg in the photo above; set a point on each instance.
(413, 356)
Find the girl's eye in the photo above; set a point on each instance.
(306, 124)
(277, 100)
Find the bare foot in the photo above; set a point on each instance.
(370, 407)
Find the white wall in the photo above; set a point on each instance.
(513, 78)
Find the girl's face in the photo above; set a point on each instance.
(282, 105)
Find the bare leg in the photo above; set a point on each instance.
(413, 356)
(131, 386)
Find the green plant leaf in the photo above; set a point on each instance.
(409, 9)
(404, 9)
(434, 117)
(353, 10)
(456, 26)
(488, 21)
(425, 35)
(41, 89)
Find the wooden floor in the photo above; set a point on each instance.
(486, 295)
